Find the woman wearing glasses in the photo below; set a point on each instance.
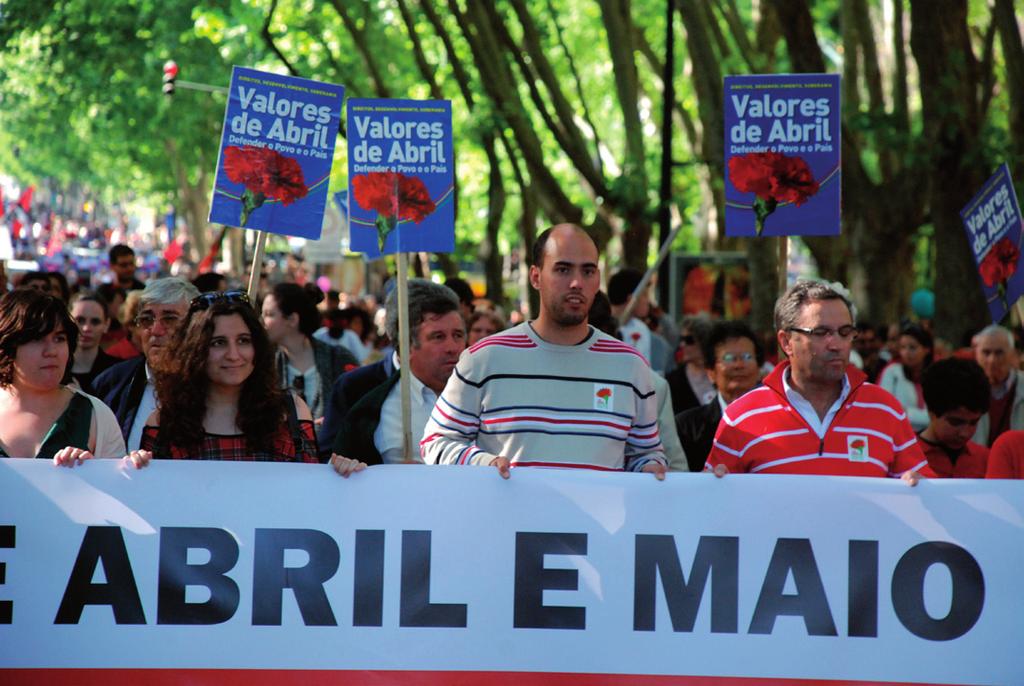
(218, 397)
(39, 415)
(89, 310)
(903, 378)
(304, 364)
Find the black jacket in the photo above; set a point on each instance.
(121, 388)
(696, 428)
(355, 439)
(346, 392)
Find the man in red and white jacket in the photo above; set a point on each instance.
(816, 413)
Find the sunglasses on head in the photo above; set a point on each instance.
(204, 301)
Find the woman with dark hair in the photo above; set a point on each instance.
(689, 381)
(903, 378)
(304, 364)
(115, 297)
(39, 415)
(89, 310)
(59, 286)
(218, 396)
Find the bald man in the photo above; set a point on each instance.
(553, 392)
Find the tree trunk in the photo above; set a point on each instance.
(538, 69)
(900, 93)
(363, 48)
(707, 84)
(762, 257)
(1013, 57)
(193, 201)
(631, 200)
(490, 255)
(497, 81)
(528, 230)
(941, 46)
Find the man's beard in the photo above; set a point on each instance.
(563, 316)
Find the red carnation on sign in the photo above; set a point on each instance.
(394, 197)
(998, 265)
(604, 393)
(773, 178)
(858, 445)
(265, 173)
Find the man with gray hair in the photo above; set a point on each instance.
(127, 387)
(371, 430)
(816, 413)
(994, 350)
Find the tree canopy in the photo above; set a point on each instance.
(558, 114)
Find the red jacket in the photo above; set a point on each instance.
(868, 436)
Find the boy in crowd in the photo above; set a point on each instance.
(956, 392)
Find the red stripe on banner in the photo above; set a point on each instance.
(280, 677)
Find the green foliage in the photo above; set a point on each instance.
(80, 98)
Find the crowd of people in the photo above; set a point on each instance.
(173, 369)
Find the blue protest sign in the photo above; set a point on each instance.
(992, 220)
(401, 176)
(276, 153)
(782, 155)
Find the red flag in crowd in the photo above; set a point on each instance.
(20, 220)
(26, 198)
(173, 251)
(206, 265)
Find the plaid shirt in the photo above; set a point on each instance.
(220, 447)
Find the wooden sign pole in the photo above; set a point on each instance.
(403, 352)
(257, 266)
(783, 264)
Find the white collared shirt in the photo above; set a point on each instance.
(312, 394)
(807, 411)
(146, 406)
(636, 333)
(388, 435)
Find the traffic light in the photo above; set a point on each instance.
(170, 74)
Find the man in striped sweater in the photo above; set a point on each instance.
(816, 413)
(554, 392)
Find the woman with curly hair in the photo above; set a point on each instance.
(218, 396)
(40, 416)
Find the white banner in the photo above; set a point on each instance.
(412, 574)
